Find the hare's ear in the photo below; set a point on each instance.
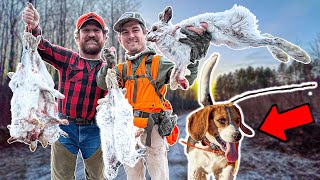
(160, 16)
(166, 15)
(198, 123)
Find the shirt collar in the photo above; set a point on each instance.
(138, 55)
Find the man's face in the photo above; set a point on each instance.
(132, 38)
(91, 39)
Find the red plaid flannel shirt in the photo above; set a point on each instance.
(76, 80)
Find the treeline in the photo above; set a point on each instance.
(249, 78)
(183, 100)
(245, 79)
(231, 84)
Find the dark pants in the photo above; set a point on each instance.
(85, 138)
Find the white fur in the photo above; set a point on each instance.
(228, 132)
(208, 163)
(115, 120)
(201, 162)
(33, 106)
(236, 28)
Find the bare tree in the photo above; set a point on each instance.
(111, 12)
(10, 27)
(314, 51)
(16, 8)
(4, 38)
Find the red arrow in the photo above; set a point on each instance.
(276, 123)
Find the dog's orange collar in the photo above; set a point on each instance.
(205, 142)
(203, 149)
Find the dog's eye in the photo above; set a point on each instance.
(222, 120)
(154, 28)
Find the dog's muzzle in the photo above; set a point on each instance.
(237, 136)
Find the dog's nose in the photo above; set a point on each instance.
(237, 136)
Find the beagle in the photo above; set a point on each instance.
(214, 133)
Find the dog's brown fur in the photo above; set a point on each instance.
(212, 120)
(207, 120)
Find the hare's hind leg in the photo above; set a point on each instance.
(277, 53)
(279, 47)
(293, 50)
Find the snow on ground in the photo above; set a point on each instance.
(268, 164)
(17, 162)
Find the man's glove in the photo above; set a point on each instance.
(109, 56)
(199, 43)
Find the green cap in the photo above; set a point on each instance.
(126, 17)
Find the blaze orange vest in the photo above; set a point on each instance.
(142, 93)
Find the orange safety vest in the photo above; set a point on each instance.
(141, 92)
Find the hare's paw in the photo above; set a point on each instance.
(184, 84)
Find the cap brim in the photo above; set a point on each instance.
(118, 25)
(91, 19)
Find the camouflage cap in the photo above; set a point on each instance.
(126, 17)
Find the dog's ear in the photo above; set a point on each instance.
(166, 15)
(198, 123)
(245, 129)
(241, 125)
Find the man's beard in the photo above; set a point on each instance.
(92, 50)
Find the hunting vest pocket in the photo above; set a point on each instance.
(140, 122)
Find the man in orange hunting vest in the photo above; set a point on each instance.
(145, 75)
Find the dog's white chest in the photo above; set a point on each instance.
(209, 161)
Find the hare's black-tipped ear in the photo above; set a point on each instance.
(160, 16)
(166, 15)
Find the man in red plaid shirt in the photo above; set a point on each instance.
(77, 73)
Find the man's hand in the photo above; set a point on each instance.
(198, 39)
(109, 56)
(30, 16)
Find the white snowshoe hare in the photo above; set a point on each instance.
(33, 107)
(236, 28)
(115, 120)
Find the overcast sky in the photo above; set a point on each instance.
(294, 20)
